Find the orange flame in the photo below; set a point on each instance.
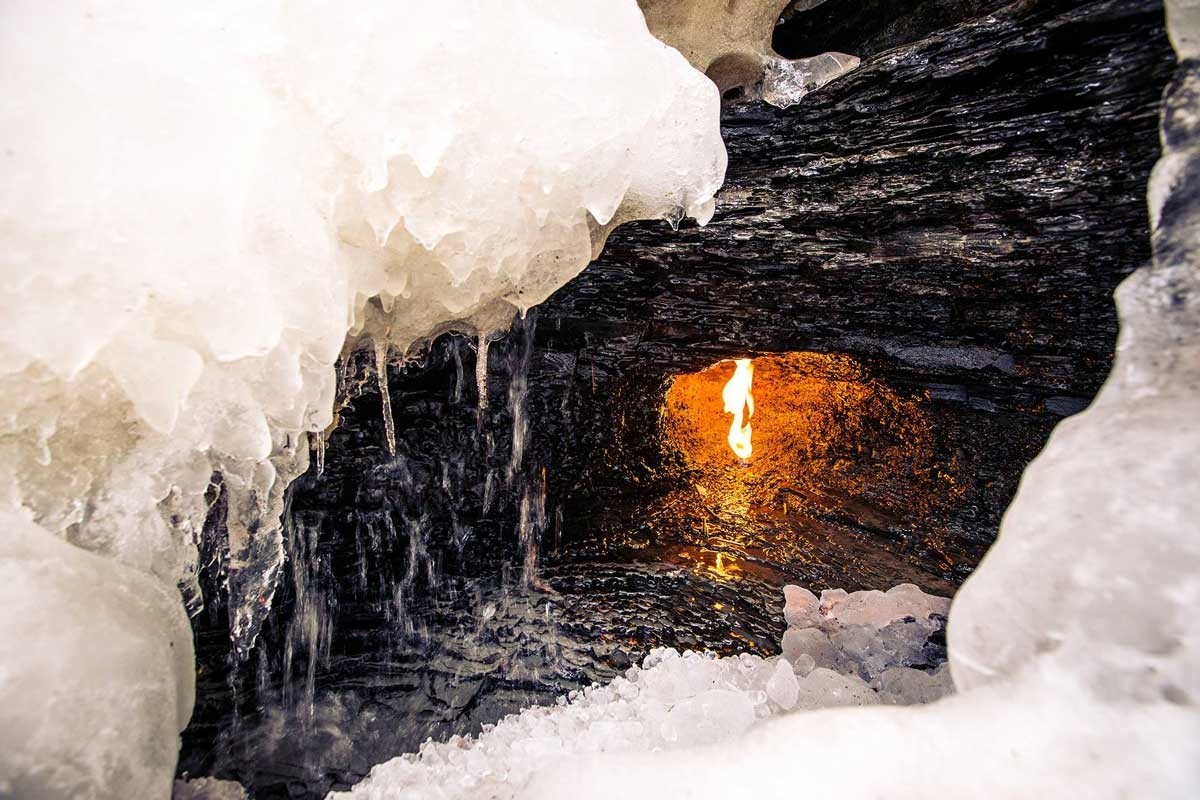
(739, 401)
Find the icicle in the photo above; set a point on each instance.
(481, 365)
(318, 443)
(389, 424)
(456, 349)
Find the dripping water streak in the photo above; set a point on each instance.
(529, 529)
(518, 390)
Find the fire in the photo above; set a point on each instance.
(739, 401)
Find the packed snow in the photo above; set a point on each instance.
(679, 700)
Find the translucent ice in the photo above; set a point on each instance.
(782, 687)
(730, 41)
(815, 644)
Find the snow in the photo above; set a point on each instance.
(672, 702)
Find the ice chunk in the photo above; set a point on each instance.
(877, 609)
(902, 686)
(709, 717)
(803, 664)
(96, 672)
(813, 643)
(824, 688)
(831, 598)
(782, 687)
(786, 82)
(801, 607)
(870, 651)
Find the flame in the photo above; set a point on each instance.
(738, 400)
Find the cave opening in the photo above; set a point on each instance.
(922, 298)
(839, 349)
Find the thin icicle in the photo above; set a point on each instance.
(481, 365)
(318, 443)
(389, 424)
(458, 370)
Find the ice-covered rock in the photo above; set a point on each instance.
(96, 672)
(824, 688)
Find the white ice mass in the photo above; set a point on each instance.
(204, 204)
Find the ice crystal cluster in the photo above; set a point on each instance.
(204, 204)
(862, 652)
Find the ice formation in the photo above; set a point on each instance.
(730, 42)
(675, 701)
(96, 671)
(204, 206)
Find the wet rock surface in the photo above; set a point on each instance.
(952, 216)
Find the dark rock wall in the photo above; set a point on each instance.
(954, 216)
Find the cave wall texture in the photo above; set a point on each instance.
(953, 216)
